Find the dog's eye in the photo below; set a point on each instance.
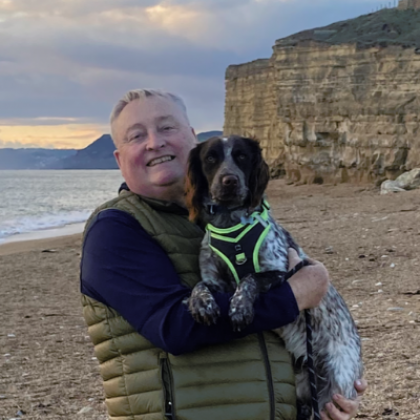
(241, 156)
(211, 159)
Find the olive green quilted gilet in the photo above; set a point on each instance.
(247, 379)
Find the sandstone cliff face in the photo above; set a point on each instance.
(408, 4)
(330, 113)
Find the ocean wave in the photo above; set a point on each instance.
(29, 224)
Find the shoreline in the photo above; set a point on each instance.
(42, 239)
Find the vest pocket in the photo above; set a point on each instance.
(167, 387)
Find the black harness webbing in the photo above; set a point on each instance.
(239, 245)
(240, 254)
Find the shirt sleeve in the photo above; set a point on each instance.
(125, 268)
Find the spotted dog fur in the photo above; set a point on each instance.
(231, 172)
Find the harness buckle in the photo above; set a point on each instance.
(240, 259)
(238, 247)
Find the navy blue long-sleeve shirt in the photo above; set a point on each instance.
(125, 268)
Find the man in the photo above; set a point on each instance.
(139, 263)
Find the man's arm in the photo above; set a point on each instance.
(124, 268)
(310, 284)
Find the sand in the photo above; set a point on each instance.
(369, 243)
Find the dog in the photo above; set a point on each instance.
(225, 185)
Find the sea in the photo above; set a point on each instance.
(42, 203)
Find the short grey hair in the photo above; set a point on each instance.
(141, 94)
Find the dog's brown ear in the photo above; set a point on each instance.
(196, 186)
(259, 176)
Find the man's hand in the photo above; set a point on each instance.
(309, 284)
(347, 408)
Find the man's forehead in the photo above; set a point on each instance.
(147, 111)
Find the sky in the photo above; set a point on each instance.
(65, 63)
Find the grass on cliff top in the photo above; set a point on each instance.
(386, 27)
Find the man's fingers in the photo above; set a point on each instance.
(334, 413)
(294, 258)
(348, 406)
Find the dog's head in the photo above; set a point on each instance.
(229, 171)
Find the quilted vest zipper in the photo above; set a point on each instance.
(269, 374)
(167, 384)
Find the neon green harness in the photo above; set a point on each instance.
(239, 245)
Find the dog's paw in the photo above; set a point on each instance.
(204, 308)
(241, 312)
(304, 412)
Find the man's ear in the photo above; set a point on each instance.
(117, 157)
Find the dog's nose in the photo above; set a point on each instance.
(230, 181)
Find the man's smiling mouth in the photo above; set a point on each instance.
(162, 159)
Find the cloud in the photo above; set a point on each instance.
(75, 58)
(50, 136)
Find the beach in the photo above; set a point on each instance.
(369, 243)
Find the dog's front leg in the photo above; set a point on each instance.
(202, 305)
(241, 311)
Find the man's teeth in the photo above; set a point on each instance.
(160, 160)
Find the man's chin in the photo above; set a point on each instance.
(166, 180)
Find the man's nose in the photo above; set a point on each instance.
(155, 141)
(230, 181)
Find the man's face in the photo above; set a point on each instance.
(154, 139)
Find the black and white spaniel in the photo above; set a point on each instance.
(226, 181)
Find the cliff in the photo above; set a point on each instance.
(335, 104)
(98, 155)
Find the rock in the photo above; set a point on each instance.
(407, 181)
(390, 186)
(85, 410)
(395, 309)
(329, 250)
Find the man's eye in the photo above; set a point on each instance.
(167, 128)
(137, 136)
